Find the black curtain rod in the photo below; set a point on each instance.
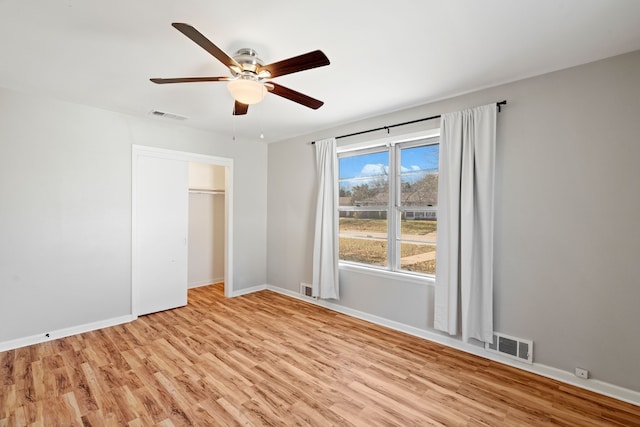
(498, 104)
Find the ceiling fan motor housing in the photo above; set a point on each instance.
(248, 60)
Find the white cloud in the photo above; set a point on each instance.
(374, 170)
(413, 168)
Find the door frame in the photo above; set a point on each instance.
(142, 150)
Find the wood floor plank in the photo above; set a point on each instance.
(236, 412)
(266, 359)
(153, 408)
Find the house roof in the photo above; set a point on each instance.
(385, 56)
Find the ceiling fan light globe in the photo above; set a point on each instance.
(247, 92)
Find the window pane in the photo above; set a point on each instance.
(419, 176)
(418, 236)
(364, 180)
(419, 227)
(417, 257)
(418, 199)
(363, 237)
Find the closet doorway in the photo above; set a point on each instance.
(160, 226)
(206, 224)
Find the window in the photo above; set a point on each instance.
(388, 206)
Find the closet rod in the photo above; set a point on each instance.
(498, 104)
(202, 191)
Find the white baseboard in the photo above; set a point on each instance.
(208, 282)
(250, 290)
(61, 333)
(597, 386)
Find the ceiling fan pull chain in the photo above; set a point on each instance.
(233, 120)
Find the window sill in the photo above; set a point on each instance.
(395, 275)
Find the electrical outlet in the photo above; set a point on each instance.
(582, 373)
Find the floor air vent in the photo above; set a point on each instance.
(306, 290)
(512, 347)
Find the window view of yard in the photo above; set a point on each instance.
(367, 243)
(389, 196)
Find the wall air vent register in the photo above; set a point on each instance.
(512, 347)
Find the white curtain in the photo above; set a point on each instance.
(464, 254)
(325, 245)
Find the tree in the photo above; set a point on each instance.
(361, 194)
(345, 193)
(421, 193)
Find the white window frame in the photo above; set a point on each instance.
(392, 145)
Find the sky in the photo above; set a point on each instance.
(361, 169)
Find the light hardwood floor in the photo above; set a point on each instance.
(266, 359)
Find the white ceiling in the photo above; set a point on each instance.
(385, 55)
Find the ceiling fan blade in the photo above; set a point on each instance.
(293, 95)
(161, 81)
(302, 62)
(205, 43)
(240, 109)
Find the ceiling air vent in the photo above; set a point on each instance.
(166, 115)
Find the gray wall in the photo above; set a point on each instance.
(206, 239)
(65, 210)
(567, 241)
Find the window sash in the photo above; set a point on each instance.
(363, 208)
(394, 208)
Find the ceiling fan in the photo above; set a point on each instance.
(249, 80)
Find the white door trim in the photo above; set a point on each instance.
(137, 150)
